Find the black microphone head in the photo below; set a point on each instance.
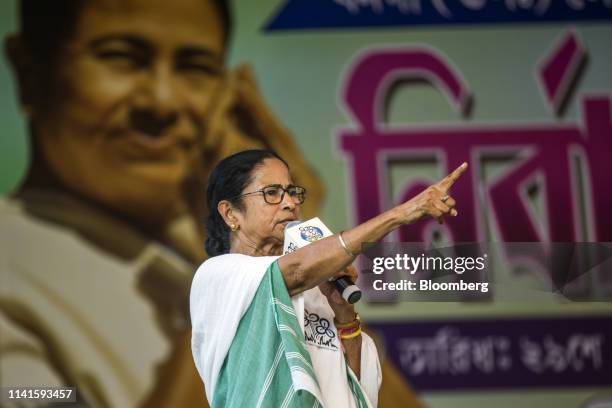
(349, 291)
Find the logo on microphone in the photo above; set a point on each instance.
(311, 233)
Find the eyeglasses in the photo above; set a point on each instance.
(275, 193)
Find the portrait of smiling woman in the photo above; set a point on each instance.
(128, 104)
(271, 330)
(124, 98)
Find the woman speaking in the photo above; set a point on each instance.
(271, 330)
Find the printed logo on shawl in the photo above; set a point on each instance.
(318, 331)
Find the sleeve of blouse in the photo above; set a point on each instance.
(371, 373)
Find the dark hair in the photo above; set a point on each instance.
(45, 25)
(226, 182)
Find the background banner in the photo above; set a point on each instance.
(305, 14)
(369, 102)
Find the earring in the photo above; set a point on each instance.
(233, 227)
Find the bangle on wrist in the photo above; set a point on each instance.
(351, 335)
(355, 323)
(345, 332)
(346, 248)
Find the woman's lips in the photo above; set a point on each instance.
(285, 222)
(139, 142)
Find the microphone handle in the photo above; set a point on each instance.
(349, 291)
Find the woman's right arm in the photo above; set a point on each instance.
(309, 266)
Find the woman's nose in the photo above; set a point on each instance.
(164, 93)
(157, 104)
(288, 202)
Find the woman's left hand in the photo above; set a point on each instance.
(344, 311)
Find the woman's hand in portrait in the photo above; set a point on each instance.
(343, 310)
(242, 120)
(433, 201)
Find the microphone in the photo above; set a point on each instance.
(299, 234)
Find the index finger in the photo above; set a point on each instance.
(449, 180)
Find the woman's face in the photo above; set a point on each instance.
(130, 97)
(260, 222)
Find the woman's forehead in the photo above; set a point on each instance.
(271, 171)
(195, 23)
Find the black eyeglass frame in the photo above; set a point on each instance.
(282, 196)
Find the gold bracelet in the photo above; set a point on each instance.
(352, 335)
(346, 249)
(349, 325)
